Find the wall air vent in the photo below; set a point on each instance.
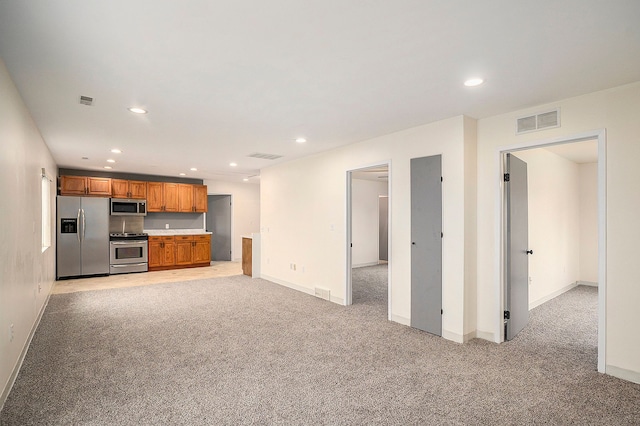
(544, 120)
(265, 156)
(86, 100)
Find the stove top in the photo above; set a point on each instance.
(128, 236)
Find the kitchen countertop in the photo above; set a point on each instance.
(161, 232)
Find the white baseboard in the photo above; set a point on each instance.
(363, 265)
(401, 320)
(18, 365)
(552, 295)
(621, 373)
(469, 336)
(292, 286)
(589, 283)
(454, 337)
(486, 335)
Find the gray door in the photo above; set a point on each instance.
(219, 223)
(426, 244)
(517, 246)
(383, 228)
(95, 235)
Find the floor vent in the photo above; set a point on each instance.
(86, 100)
(323, 293)
(265, 156)
(544, 120)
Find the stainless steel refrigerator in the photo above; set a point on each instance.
(83, 236)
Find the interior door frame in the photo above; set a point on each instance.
(500, 223)
(348, 287)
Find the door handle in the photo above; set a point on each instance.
(413, 243)
(78, 224)
(84, 225)
(529, 251)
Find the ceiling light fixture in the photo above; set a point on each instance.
(138, 110)
(246, 179)
(108, 167)
(193, 169)
(183, 174)
(116, 151)
(111, 161)
(301, 140)
(473, 82)
(233, 164)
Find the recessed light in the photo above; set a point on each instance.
(116, 151)
(301, 140)
(111, 161)
(183, 174)
(138, 110)
(107, 167)
(193, 169)
(246, 179)
(233, 164)
(473, 82)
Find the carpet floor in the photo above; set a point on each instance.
(237, 350)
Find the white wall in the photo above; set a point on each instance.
(26, 273)
(303, 217)
(588, 222)
(554, 223)
(616, 110)
(365, 227)
(245, 209)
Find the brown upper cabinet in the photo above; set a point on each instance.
(134, 189)
(192, 198)
(83, 185)
(200, 198)
(162, 197)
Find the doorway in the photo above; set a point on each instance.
(546, 205)
(368, 228)
(219, 224)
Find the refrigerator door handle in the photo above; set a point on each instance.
(78, 223)
(84, 226)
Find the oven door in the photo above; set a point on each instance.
(127, 252)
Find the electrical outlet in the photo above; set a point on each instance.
(294, 266)
(11, 333)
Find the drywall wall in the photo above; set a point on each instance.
(27, 273)
(554, 223)
(245, 209)
(615, 110)
(365, 195)
(588, 223)
(303, 217)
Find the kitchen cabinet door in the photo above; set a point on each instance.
(247, 256)
(200, 198)
(119, 188)
(73, 185)
(202, 249)
(137, 189)
(185, 198)
(155, 196)
(184, 247)
(156, 252)
(99, 186)
(169, 251)
(170, 194)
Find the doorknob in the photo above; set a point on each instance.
(529, 251)
(413, 243)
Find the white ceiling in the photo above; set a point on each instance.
(226, 79)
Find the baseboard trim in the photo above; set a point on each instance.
(454, 337)
(624, 374)
(292, 286)
(589, 283)
(552, 295)
(16, 369)
(364, 265)
(486, 335)
(469, 336)
(401, 320)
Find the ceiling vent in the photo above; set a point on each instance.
(86, 100)
(265, 156)
(544, 120)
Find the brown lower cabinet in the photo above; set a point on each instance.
(179, 251)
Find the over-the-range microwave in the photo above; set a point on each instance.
(122, 207)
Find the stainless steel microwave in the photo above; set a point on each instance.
(123, 207)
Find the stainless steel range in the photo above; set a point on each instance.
(128, 252)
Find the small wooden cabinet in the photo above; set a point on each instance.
(133, 189)
(179, 251)
(162, 197)
(84, 185)
(247, 256)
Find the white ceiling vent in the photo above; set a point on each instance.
(86, 100)
(544, 120)
(265, 156)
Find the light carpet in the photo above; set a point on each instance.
(238, 350)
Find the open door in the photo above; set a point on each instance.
(219, 223)
(516, 315)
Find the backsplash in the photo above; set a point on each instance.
(133, 224)
(175, 220)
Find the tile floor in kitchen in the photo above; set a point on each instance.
(217, 269)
